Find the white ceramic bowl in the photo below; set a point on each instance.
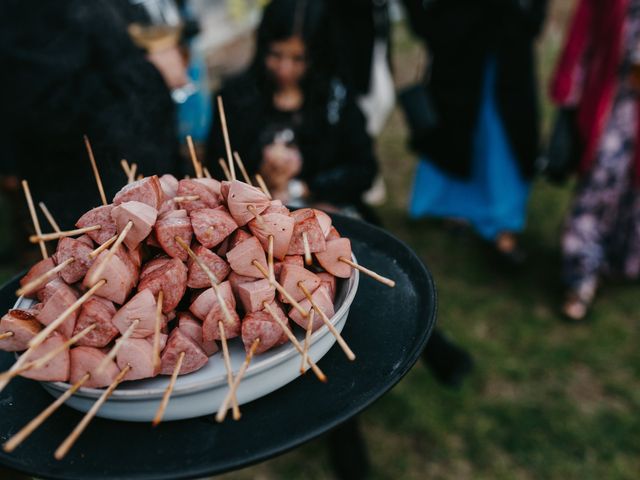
(201, 392)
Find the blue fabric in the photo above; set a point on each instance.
(494, 198)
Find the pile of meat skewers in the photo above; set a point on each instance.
(149, 284)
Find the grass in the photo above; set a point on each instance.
(547, 400)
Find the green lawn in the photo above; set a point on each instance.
(547, 399)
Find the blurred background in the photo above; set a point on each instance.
(546, 398)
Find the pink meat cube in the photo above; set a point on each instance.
(329, 259)
(98, 311)
(277, 225)
(71, 248)
(56, 369)
(56, 303)
(119, 274)
(172, 225)
(322, 298)
(147, 190)
(178, 342)
(291, 275)
(306, 222)
(212, 226)
(192, 328)
(197, 278)
(85, 360)
(253, 294)
(138, 353)
(171, 278)
(24, 327)
(142, 307)
(240, 197)
(141, 215)
(242, 256)
(99, 216)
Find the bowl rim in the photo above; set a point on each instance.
(210, 383)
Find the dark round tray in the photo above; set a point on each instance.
(387, 329)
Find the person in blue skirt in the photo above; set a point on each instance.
(478, 158)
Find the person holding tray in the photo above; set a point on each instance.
(292, 119)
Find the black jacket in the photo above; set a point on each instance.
(460, 34)
(70, 68)
(338, 160)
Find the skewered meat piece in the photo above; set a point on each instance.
(175, 223)
(235, 281)
(99, 216)
(59, 296)
(56, 369)
(98, 311)
(197, 278)
(276, 206)
(120, 275)
(146, 190)
(260, 324)
(240, 197)
(322, 298)
(142, 307)
(306, 222)
(253, 294)
(207, 190)
(241, 258)
(178, 342)
(137, 352)
(279, 226)
(40, 268)
(85, 360)
(24, 326)
(171, 278)
(169, 185)
(329, 259)
(192, 328)
(141, 215)
(292, 259)
(153, 264)
(291, 275)
(330, 282)
(212, 226)
(324, 220)
(71, 248)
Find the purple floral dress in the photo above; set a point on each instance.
(602, 231)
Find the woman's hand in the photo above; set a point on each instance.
(280, 163)
(171, 65)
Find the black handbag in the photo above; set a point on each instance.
(419, 109)
(565, 148)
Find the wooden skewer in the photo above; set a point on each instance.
(197, 166)
(307, 250)
(227, 365)
(206, 172)
(345, 348)
(272, 275)
(30, 427)
(212, 278)
(22, 359)
(292, 338)
(186, 198)
(156, 331)
(96, 173)
(36, 282)
(222, 412)
(132, 173)
(227, 143)
(95, 275)
(125, 166)
(307, 342)
(6, 335)
(243, 170)
(280, 289)
(263, 186)
(34, 218)
(387, 281)
(47, 237)
(116, 347)
(42, 361)
(255, 213)
(225, 169)
(73, 436)
(49, 217)
(167, 393)
(103, 247)
(43, 334)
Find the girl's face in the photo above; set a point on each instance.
(286, 62)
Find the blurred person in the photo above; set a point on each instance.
(598, 74)
(477, 161)
(292, 119)
(71, 68)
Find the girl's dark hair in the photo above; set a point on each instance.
(307, 19)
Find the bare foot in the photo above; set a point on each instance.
(506, 242)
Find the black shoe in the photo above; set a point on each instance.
(449, 363)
